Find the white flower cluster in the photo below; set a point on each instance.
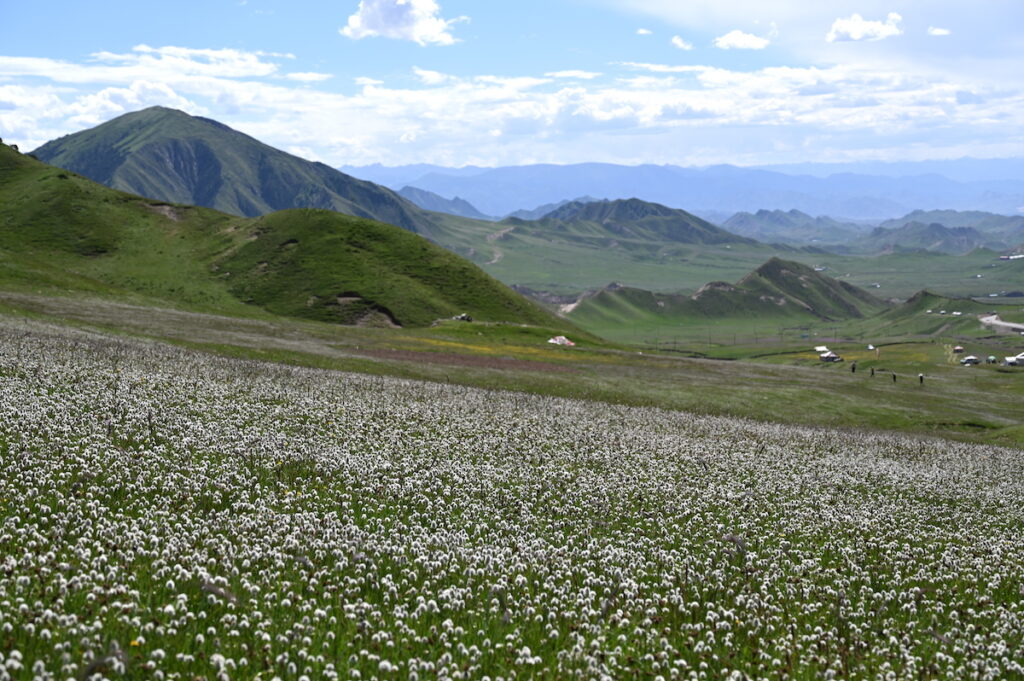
(166, 514)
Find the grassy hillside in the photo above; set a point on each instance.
(825, 297)
(62, 232)
(168, 155)
(778, 292)
(322, 265)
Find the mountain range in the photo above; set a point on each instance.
(710, 190)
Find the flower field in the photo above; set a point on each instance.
(166, 514)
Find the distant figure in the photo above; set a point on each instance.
(920, 379)
(894, 377)
(872, 372)
(853, 367)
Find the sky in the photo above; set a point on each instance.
(510, 82)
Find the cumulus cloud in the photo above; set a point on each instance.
(572, 73)
(308, 77)
(738, 40)
(681, 44)
(643, 31)
(428, 77)
(935, 30)
(638, 112)
(662, 68)
(417, 20)
(857, 28)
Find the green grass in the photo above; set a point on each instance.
(775, 382)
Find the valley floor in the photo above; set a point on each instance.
(784, 384)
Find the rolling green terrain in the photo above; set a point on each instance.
(174, 157)
(61, 232)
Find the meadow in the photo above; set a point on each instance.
(172, 514)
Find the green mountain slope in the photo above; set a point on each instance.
(778, 290)
(61, 231)
(800, 285)
(171, 156)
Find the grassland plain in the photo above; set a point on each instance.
(170, 514)
(980, 404)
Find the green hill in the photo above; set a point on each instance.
(331, 267)
(62, 232)
(787, 282)
(171, 156)
(778, 290)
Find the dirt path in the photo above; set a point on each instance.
(998, 324)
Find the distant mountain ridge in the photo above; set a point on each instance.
(926, 237)
(714, 189)
(629, 220)
(792, 227)
(540, 211)
(169, 155)
(431, 201)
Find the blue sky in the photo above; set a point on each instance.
(456, 82)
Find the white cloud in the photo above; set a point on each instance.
(934, 30)
(431, 77)
(639, 112)
(681, 44)
(662, 68)
(738, 40)
(417, 20)
(643, 31)
(575, 74)
(309, 77)
(857, 27)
